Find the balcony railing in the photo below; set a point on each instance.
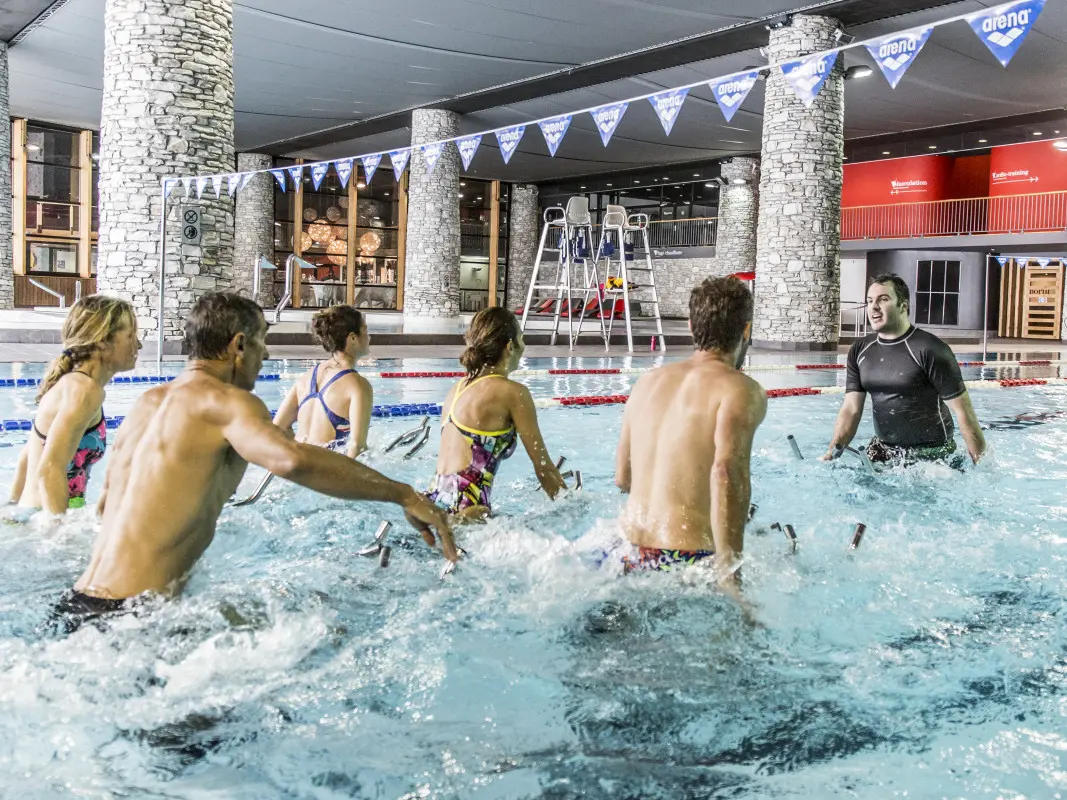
(51, 218)
(697, 232)
(1021, 213)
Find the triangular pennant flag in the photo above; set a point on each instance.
(668, 105)
(279, 175)
(554, 130)
(233, 182)
(607, 119)
(1042, 262)
(188, 184)
(201, 184)
(344, 171)
(807, 75)
(247, 177)
(508, 139)
(399, 159)
(1002, 260)
(296, 173)
(468, 146)
(318, 172)
(730, 92)
(168, 186)
(1003, 28)
(370, 166)
(894, 54)
(432, 152)
(216, 184)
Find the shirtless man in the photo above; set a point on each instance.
(686, 442)
(181, 453)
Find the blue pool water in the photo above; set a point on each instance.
(929, 663)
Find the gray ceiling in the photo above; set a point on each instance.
(296, 76)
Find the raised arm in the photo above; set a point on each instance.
(622, 454)
(285, 416)
(78, 409)
(524, 414)
(250, 432)
(848, 421)
(970, 428)
(359, 407)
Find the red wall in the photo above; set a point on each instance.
(969, 177)
(1027, 169)
(897, 180)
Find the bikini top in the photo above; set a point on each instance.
(340, 424)
(488, 448)
(90, 450)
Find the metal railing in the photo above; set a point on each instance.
(697, 232)
(859, 317)
(50, 217)
(1020, 213)
(58, 295)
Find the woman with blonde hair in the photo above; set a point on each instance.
(495, 414)
(69, 431)
(331, 400)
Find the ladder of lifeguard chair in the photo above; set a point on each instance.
(589, 288)
(617, 222)
(551, 222)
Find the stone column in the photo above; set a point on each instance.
(431, 269)
(7, 274)
(523, 235)
(167, 110)
(798, 276)
(735, 242)
(253, 227)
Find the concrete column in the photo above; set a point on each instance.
(431, 269)
(735, 243)
(523, 235)
(7, 272)
(798, 246)
(253, 227)
(167, 110)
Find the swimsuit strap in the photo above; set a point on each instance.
(336, 375)
(314, 391)
(463, 428)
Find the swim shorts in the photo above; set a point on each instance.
(656, 559)
(881, 453)
(74, 609)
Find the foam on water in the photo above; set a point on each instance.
(931, 662)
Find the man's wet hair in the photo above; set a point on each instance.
(215, 319)
(719, 308)
(899, 287)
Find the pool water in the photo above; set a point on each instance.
(931, 662)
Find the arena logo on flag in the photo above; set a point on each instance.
(467, 147)
(807, 75)
(344, 170)
(554, 130)
(233, 183)
(296, 174)
(216, 184)
(399, 160)
(668, 105)
(894, 54)
(201, 184)
(607, 119)
(318, 172)
(1003, 28)
(508, 139)
(432, 154)
(730, 92)
(370, 165)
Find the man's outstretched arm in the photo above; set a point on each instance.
(848, 422)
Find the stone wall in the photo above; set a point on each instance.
(253, 227)
(798, 237)
(677, 277)
(167, 110)
(735, 242)
(523, 237)
(431, 269)
(7, 273)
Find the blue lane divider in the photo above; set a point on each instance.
(121, 379)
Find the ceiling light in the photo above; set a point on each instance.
(479, 197)
(1060, 144)
(709, 185)
(738, 181)
(885, 152)
(1037, 133)
(609, 184)
(387, 194)
(581, 187)
(982, 141)
(459, 195)
(932, 147)
(696, 174)
(637, 181)
(360, 185)
(858, 71)
(666, 179)
(462, 183)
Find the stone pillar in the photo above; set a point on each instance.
(524, 234)
(7, 273)
(735, 242)
(798, 276)
(167, 110)
(253, 228)
(431, 269)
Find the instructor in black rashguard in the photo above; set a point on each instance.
(911, 375)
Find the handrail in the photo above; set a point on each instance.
(957, 199)
(260, 264)
(288, 296)
(62, 298)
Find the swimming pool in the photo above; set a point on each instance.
(931, 662)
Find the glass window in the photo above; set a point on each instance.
(51, 165)
(937, 298)
(52, 257)
(377, 237)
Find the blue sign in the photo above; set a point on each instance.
(296, 173)
(1003, 28)
(668, 105)
(318, 172)
(344, 170)
(468, 146)
(370, 166)
(508, 139)
(399, 160)
(894, 54)
(554, 130)
(233, 183)
(201, 184)
(432, 153)
(807, 75)
(607, 119)
(279, 175)
(730, 92)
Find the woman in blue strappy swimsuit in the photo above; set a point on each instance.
(494, 414)
(69, 432)
(332, 402)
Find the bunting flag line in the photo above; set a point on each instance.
(508, 139)
(399, 160)
(216, 184)
(895, 53)
(188, 184)
(467, 147)
(233, 183)
(1003, 28)
(730, 92)
(554, 130)
(1042, 262)
(279, 175)
(607, 119)
(807, 75)
(370, 165)
(201, 184)
(168, 186)
(344, 170)
(247, 177)
(432, 153)
(318, 172)
(296, 173)
(1002, 260)
(668, 106)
